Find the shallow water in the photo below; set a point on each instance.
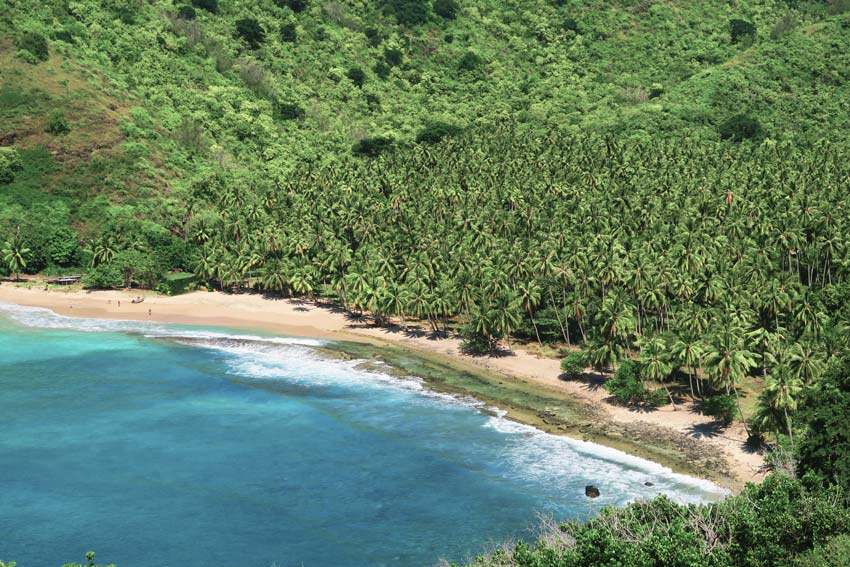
(167, 445)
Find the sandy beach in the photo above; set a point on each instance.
(304, 319)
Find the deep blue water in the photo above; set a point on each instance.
(158, 445)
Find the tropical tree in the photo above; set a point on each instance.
(687, 351)
(781, 395)
(15, 254)
(655, 365)
(727, 360)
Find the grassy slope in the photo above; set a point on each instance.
(94, 159)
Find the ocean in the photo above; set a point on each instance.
(158, 444)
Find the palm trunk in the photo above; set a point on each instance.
(740, 411)
(691, 384)
(788, 425)
(558, 314)
(536, 332)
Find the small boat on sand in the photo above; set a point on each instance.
(137, 300)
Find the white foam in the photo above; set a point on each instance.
(298, 363)
(43, 318)
(546, 460)
(558, 459)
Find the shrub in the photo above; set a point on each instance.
(126, 15)
(435, 131)
(382, 70)
(476, 344)
(223, 59)
(338, 14)
(373, 35)
(288, 111)
(357, 76)
(189, 135)
(210, 6)
(57, 124)
(64, 35)
(175, 284)
(470, 61)
(254, 75)
(35, 44)
(835, 553)
(741, 31)
(373, 102)
(103, 276)
(250, 30)
(288, 32)
(294, 5)
(373, 147)
(722, 407)
(573, 365)
(739, 128)
(393, 56)
(569, 25)
(10, 164)
(408, 12)
(656, 90)
(657, 398)
(186, 13)
(783, 26)
(446, 9)
(626, 385)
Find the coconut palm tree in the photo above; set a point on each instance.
(782, 391)
(687, 351)
(728, 361)
(655, 363)
(15, 254)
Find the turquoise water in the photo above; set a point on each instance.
(158, 445)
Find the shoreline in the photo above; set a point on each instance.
(528, 388)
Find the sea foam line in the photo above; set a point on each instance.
(44, 318)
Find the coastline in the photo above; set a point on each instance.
(528, 388)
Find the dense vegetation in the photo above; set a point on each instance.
(781, 521)
(784, 521)
(659, 187)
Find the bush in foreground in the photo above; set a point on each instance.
(779, 522)
(824, 450)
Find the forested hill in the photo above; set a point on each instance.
(205, 82)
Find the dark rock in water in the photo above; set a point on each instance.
(591, 491)
(647, 483)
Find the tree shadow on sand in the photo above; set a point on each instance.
(706, 430)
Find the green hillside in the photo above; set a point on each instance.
(326, 75)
